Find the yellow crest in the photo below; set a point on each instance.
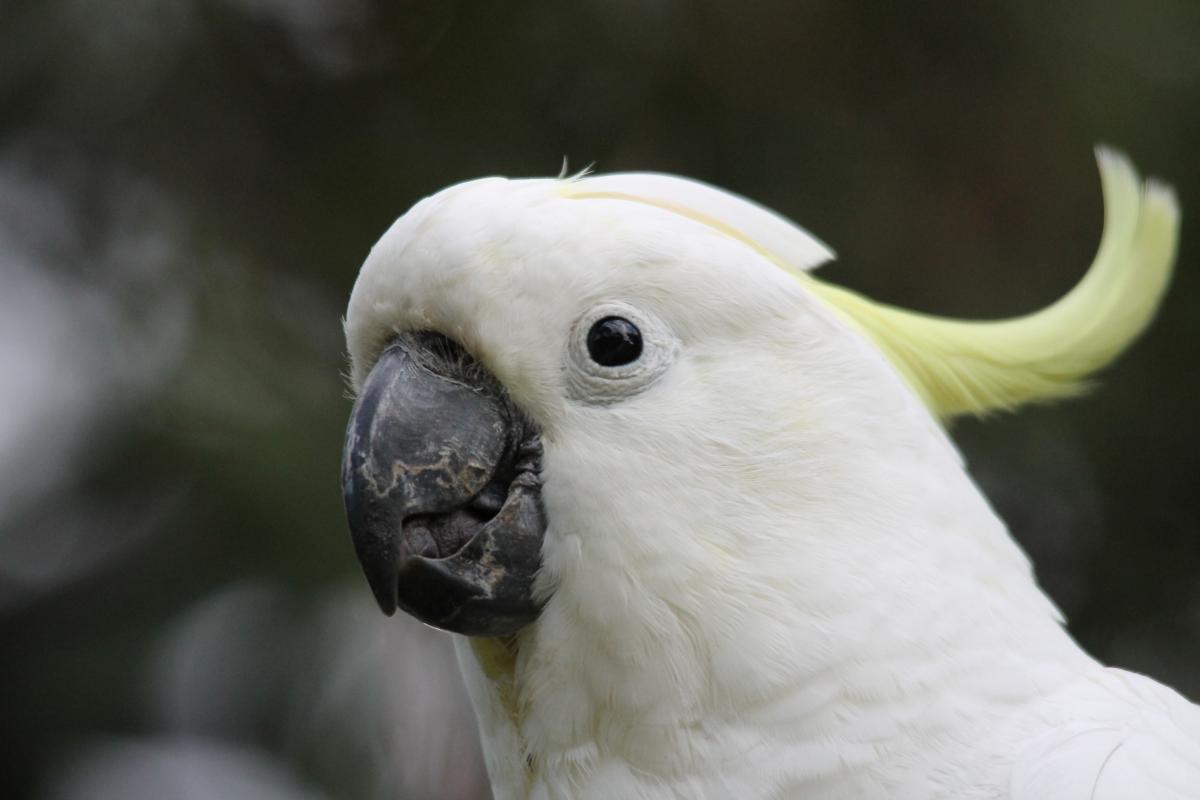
(963, 366)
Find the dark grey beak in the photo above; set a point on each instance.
(441, 480)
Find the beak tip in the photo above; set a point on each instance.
(378, 565)
(388, 611)
(385, 592)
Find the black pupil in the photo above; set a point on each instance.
(614, 341)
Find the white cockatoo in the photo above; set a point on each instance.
(695, 514)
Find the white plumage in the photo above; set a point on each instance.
(766, 573)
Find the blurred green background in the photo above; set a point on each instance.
(187, 189)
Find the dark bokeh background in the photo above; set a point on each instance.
(187, 188)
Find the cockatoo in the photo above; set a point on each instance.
(695, 514)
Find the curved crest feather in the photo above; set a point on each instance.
(774, 236)
(975, 367)
(965, 366)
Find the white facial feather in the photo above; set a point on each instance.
(767, 573)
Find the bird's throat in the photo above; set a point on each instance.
(497, 658)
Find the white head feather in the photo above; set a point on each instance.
(765, 560)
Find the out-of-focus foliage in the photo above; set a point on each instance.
(187, 188)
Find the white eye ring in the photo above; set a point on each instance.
(595, 384)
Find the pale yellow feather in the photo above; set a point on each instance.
(965, 366)
(969, 367)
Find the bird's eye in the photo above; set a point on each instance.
(615, 351)
(614, 342)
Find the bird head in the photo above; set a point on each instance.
(634, 376)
